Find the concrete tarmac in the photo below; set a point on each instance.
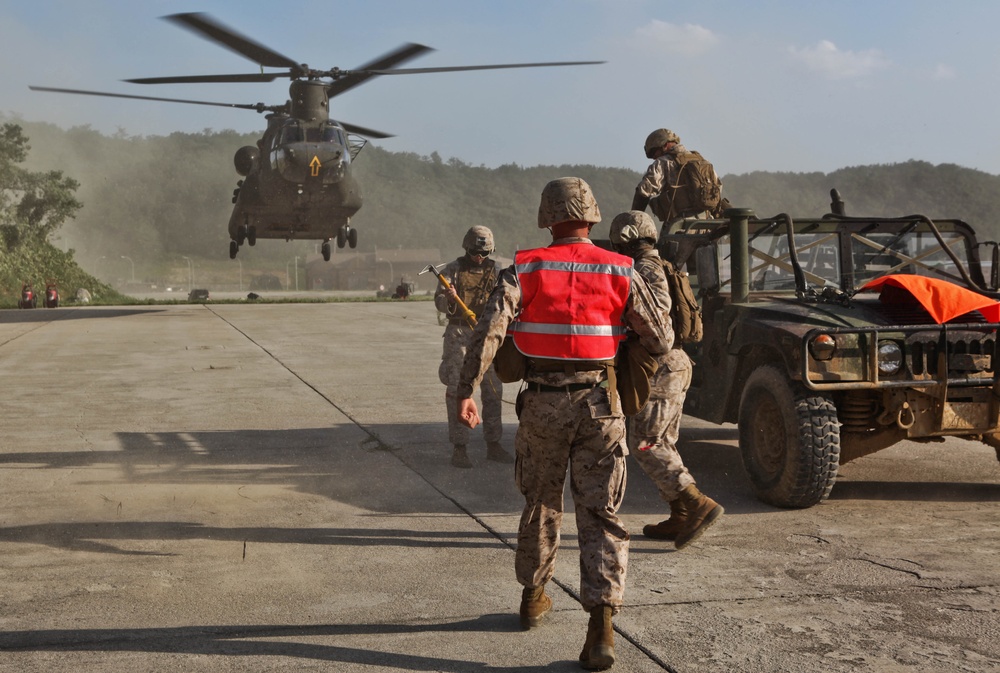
(267, 488)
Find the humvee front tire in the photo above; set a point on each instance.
(789, 439)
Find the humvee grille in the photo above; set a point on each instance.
(967, 354)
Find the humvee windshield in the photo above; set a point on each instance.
(846, 255)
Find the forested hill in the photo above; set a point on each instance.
(170, 196)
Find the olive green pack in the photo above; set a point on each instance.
(685, 312)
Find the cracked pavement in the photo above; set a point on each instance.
(267, 487)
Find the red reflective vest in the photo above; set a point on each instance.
(573, 298)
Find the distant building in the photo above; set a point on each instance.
(369, 270)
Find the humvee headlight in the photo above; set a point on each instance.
(890, 358)
(822, 347)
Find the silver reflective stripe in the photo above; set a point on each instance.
(575, 267)
(553, 328)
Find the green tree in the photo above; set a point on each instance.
(32, 205)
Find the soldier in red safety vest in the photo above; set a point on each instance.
(567, 307)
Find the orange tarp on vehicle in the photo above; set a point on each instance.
(943, 300)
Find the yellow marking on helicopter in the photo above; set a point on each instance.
(315, 165)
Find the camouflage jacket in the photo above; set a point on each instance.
(649, 265)
(472, 282)
(662, 172)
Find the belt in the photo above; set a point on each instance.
(568, 388)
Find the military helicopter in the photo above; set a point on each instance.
(296, 182)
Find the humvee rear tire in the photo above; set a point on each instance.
(789, 439)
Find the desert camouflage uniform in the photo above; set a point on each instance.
(662, 172)
(653, 432)
(578, 428)
(473, 284)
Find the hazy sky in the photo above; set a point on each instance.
(777, 85)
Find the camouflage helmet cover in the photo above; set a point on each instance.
(478, 238)
(658, 139)
(632, 226)
(567, 200)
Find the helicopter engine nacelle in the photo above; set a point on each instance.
(245, 159)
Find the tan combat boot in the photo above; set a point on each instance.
(599, 649)
(496, 453)
(459, 458)
(668, 528)
(535, 604)
(701, 512)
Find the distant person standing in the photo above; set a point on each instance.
(679, 184)
(567, 307)
(654, 431)
(472, 277)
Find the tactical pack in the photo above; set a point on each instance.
(697, 189)
(685, 312)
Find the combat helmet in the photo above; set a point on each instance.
(567, 200)
(632, 226)
(478, 239)
(657, 139)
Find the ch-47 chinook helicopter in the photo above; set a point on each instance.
(297, 181)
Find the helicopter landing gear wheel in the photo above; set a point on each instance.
(342, 236)
(234, 248)
(252, 235)
(241, 234)
(352, 237)
(326, 250)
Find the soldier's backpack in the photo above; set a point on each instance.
(685, 312)
(698, 189)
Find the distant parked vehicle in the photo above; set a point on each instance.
(51, 295)
(28, 298)
(198, 295)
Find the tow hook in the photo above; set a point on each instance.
(905, 418)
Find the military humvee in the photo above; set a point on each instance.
(815, 370)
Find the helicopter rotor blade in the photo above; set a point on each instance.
(362, 131)
(259, 107)
(459, 68)
(200, 79)
(386, 61)
(211, 29)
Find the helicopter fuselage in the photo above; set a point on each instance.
(298, 182)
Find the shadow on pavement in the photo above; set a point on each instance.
(252, 640)
(93, 536)
(917, 491)
(13, 316)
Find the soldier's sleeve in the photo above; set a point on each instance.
(652, 181)
(645, 317)
(651, 270)
(500, 310)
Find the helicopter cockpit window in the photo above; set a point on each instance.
(290, 133)
(324, 133)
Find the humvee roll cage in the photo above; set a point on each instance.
(834, 251)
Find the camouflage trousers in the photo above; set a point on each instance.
(456, 339)
(580, 431)
(653, 433)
